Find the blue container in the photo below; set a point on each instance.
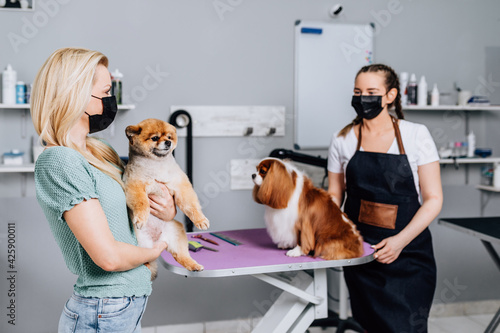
(20, 93)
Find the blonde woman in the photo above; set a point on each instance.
(79, 187)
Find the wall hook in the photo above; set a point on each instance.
(248, 131)
(271, 131)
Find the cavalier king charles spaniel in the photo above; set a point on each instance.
(302, 217)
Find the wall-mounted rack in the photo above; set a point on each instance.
(26, 107)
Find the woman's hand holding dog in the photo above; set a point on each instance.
(163, 207)
(160, 246)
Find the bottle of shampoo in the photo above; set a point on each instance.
(9, 79)
(435, 95)
(422, 92)
(116, 85)
(496, 176)
(412, 90)
(471, 139)
(404, 93)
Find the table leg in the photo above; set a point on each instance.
(494, 256)
(341, 320)
(343, 296)
(493, 323)
(491, 251)
(304, 300)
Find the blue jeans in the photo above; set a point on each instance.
(92, 314)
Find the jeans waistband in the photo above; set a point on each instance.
(107, 300)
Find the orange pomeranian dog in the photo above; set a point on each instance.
(303, 217)
(151, 143)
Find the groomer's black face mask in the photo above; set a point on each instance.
(99, 122)
(367, 107)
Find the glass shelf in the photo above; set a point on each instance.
(467, 160)
(453, 108)
(24, 168)
(488, 188)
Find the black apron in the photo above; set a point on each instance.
(381, 201)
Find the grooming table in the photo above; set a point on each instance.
(487, 229)
(306, 294)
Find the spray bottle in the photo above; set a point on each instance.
(116, 85)
(422, 92)
(9, 79)
(412, 90)
(402, 88)
(435, 95)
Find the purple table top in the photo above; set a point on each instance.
(256, 255)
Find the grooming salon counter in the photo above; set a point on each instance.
(306, 294)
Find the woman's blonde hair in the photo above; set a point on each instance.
(60, 95)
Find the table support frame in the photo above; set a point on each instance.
(494, 256)
(304, 299)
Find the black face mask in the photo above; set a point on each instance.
(367, 107)
(99, 122)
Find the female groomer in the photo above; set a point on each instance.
(79, 187)
(389, 170)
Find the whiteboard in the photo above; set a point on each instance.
(327, 58)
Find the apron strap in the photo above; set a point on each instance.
(359, 136)
(398, 136)
(396, 131)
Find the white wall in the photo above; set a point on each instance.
(243, 56)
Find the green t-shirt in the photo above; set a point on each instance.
(64, 178)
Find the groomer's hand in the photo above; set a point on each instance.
(163, 207)
(388, 249)
(160, 246)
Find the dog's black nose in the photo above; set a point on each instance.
(168, 143)
(254, 175)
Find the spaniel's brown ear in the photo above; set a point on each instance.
(255, 194)
(132, 130)
(277, 187)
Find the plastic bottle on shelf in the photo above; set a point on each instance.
(403, 88)
(464, 150)
(496, 176)
(9, 80)
(20, 92)
(412, 90)
(457, 149)
(471, 140)
(422, 92)
(116, 85)
(435, 95)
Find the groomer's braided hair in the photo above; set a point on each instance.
(391, 81)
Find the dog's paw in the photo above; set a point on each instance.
(138, 224)
(203, 224)
(139, 220)
(295, 252)
(195, 267)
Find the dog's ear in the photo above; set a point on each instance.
(255, 194)
(277, 187)
(132, 130)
